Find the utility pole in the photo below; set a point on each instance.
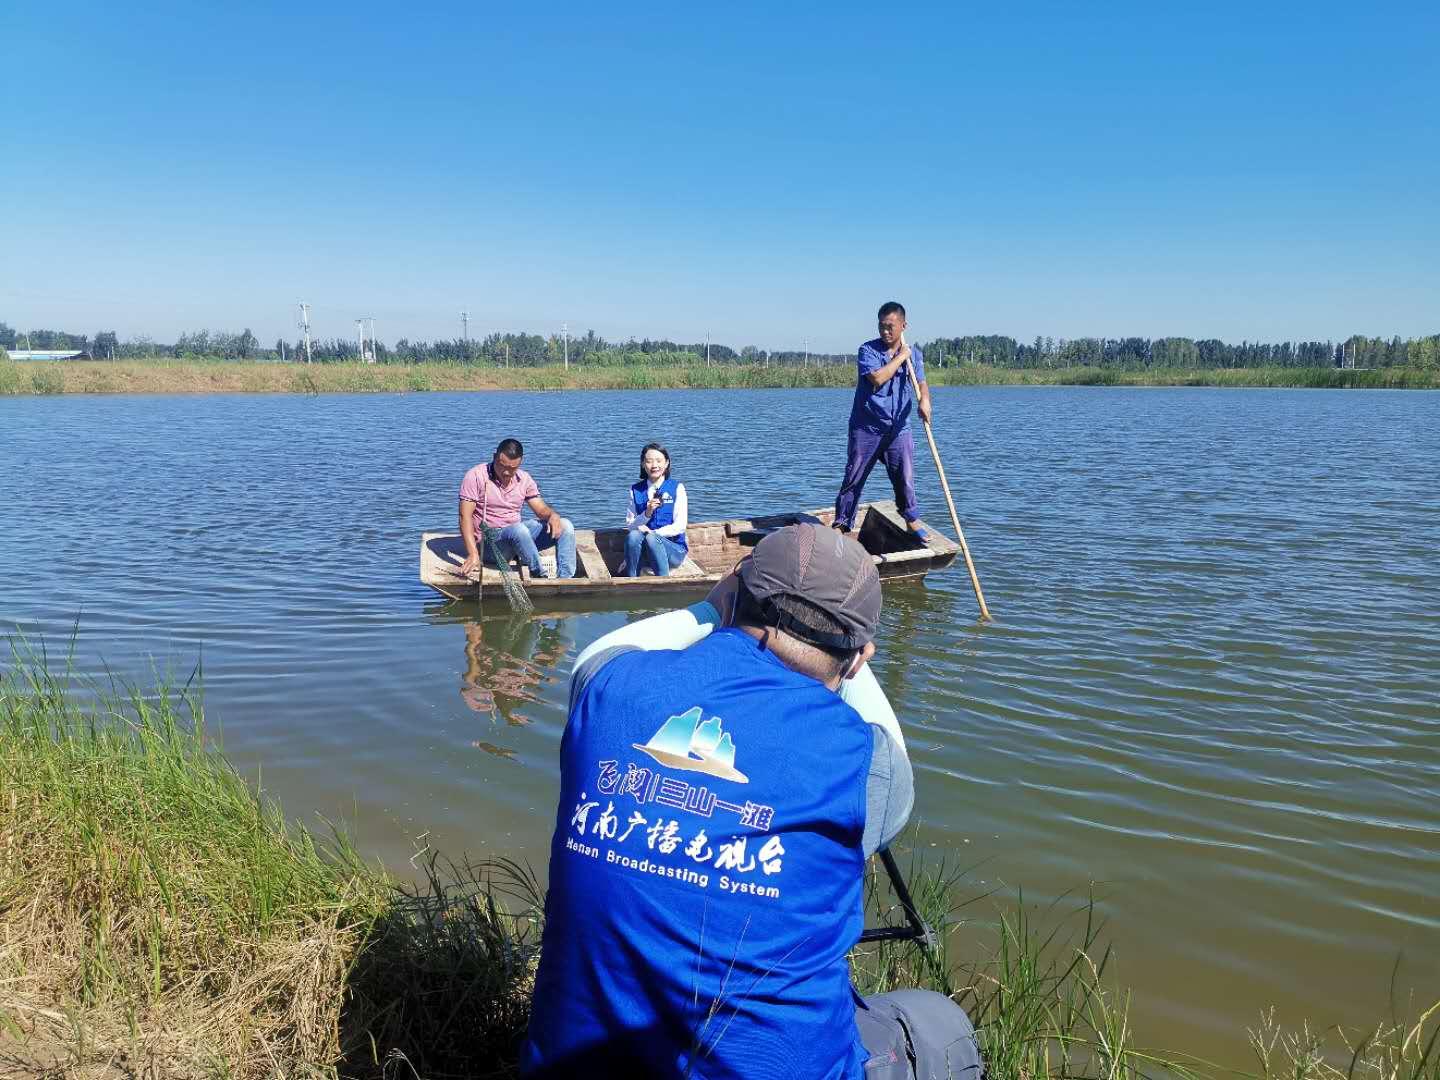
(464, 326)
(565, 330)
(807, 352)
(360, 337)
(373, 357)
(305, 326)
(707, 348)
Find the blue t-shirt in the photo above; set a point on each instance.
(706, 873)
(883, 408)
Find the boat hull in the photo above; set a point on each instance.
(715, 548)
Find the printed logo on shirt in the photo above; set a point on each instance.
(690, 744)
(668, 841)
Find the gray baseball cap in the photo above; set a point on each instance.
(823, 569)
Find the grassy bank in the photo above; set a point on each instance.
(205, 377)
(158, 918)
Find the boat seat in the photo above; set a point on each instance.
(752, 536)
(688, 568)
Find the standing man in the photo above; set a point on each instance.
(880, 420)
(492, 494)
(725, 772)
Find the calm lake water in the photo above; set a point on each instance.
(1213, 685)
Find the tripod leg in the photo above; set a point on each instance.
(923, 934)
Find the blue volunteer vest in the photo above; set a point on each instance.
(665, 513)
(705, 873)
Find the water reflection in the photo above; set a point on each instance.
(910, 611)
(508, 662)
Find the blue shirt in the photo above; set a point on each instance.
(884, 409)
(706, 873)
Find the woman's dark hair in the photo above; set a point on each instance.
(645, 450)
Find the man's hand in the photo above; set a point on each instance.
(555, 525)
(924, 408)
(469, 565)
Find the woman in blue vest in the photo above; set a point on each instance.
(657, 515)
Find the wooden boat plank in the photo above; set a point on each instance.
(588, 557)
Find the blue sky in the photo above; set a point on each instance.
(767, 173)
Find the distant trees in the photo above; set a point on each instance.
(220, 344)
(43, 339)
(531, 350)
(104, 344)
(1180, 352)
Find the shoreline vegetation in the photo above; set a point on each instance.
(167, 376)
(159, 917)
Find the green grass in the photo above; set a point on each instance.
(167, 376)
(148, 896)
(1397, 378)
(1035, 984)
(158, 917)
(47, 379)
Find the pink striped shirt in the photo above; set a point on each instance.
(496, 506)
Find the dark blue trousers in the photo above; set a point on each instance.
(865, 448)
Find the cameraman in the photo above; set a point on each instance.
(721, 788)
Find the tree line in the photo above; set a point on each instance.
(533, 350)
(1181, 352)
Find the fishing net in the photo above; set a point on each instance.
(509, 580)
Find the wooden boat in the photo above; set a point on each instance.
(715, 548)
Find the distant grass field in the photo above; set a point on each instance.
(163, 376)
(158, 918)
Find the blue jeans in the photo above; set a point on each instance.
(664, 554)
(526, 539)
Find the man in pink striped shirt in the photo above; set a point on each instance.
(492, 495)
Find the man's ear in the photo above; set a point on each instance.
(859, 660)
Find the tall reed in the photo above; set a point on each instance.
(197, 376)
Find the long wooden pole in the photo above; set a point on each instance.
(945, 487)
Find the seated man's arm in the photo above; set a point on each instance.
(467, 533)
(890, 787)
(543, 511)
(671, 630)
